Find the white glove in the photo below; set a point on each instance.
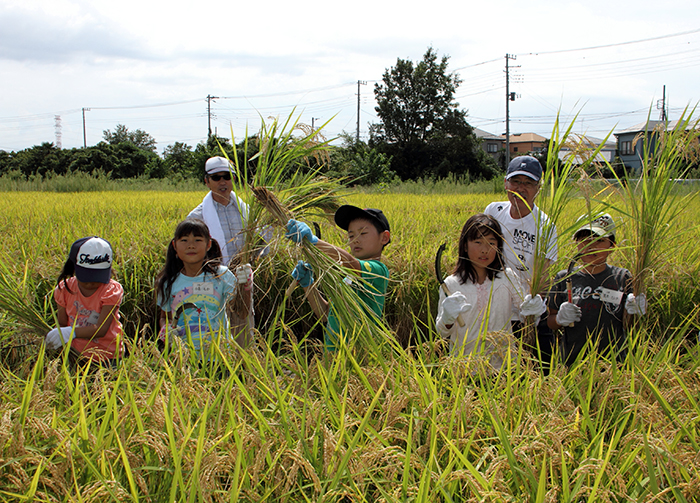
(532, 306)
(568, 314)
(244, 276)
(636, 304)
(453, 306)
(57, 337)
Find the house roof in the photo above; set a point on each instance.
(480, 133)
(651, 125)
(525, 138)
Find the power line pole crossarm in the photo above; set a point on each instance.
(359, 83)
(84, 135)
(209, 99)
(509, 98)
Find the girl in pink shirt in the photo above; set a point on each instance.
(88, 304)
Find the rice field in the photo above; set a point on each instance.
(283, 422)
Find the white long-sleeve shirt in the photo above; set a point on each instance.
(487, 330)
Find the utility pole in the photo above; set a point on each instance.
(664, 116)
(209, 98)
(312, 123)
(509, 97)
(359, 83)
(84, 136)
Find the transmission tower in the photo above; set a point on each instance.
(57, 126)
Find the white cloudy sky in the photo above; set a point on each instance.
(150, 64)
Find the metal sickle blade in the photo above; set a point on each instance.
(438, 263)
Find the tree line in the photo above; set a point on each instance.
(422, 133)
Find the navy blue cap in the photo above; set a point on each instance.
(525, 165)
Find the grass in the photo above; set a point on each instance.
(282, 421)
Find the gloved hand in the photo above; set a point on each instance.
(568, 314)
(303, 273)
(636, 304)
(532, 306)
(453, 306)
(244, 276)
(297, 231)
(57, 337)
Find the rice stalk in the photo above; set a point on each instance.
(18, 298)
(279, 164)
(651, 202)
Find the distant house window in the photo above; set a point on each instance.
(492, 148)
(626, 148)
(515, 149)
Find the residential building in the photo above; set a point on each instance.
(582, 147)
(492, 144)
(525, 143)
(631, 142)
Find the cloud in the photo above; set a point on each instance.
(37, 35)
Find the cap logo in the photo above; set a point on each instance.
(85, 258)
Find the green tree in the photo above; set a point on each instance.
(179, 158)
(138, 138)
(39, 160)
(359, 163)
(421, 128)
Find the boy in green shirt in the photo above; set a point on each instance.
(368, 233)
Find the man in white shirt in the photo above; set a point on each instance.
(226, 216)
(527, 231)
(224, 213)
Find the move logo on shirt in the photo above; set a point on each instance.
(523, 240)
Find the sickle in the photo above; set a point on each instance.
(179, 311)
(441, 280)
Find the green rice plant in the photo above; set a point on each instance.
(278, 165)
(20, 297)
(651, 203)
(282, 422)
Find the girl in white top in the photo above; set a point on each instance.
(484, 294)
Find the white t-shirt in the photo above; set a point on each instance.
(520, 241)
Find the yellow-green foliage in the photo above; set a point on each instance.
(285, 423)
(38, 229)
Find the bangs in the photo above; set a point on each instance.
(192, 226)
(483, 228)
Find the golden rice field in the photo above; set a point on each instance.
(282, 422)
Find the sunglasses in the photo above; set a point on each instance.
(216, 178)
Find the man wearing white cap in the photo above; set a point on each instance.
(224, 213)
(226, 216)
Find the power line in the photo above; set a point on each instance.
(618, 44)
(156, 105)
(288, 93)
